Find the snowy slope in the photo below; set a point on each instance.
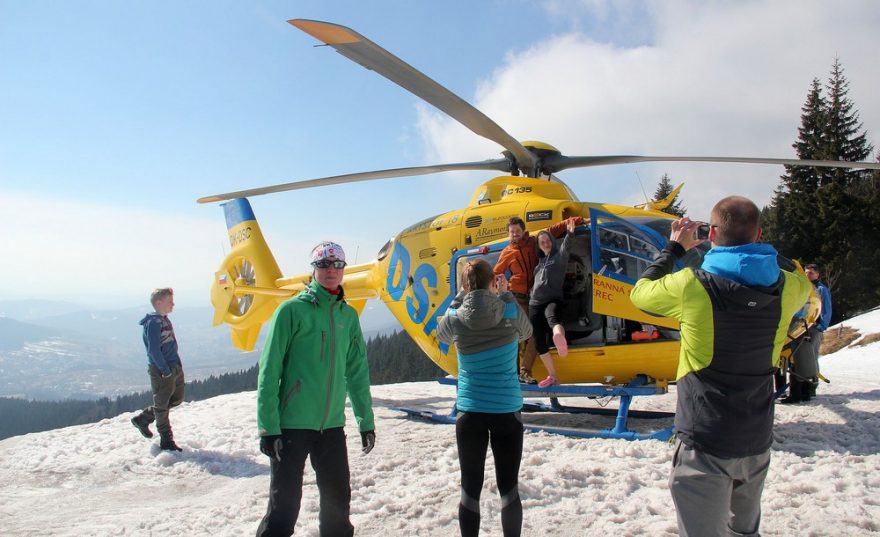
(104, 479)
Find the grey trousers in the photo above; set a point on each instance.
(167, 394)
(715, 496)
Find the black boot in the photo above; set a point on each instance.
(143, 425)
(166, 443)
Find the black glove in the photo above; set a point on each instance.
(368, 440)
(271, 445)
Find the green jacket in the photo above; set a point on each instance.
(314, 354)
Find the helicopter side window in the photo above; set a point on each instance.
(623, 249)
(622, 255)
(663, 226)
(489, 257)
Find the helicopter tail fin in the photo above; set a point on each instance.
(244, 292)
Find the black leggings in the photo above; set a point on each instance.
(543, 318)
(474, 431)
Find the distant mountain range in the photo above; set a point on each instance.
(56, 350)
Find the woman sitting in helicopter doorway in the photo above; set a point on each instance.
(545, 303)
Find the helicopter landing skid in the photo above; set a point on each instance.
(619, 431)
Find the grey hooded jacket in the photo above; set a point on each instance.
(550, 273)
(480, 323)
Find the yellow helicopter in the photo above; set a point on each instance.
(416, 274)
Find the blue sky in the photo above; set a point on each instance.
(117, 116)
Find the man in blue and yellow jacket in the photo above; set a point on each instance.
(314, 354)
(734, 313)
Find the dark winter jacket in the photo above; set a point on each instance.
(486, 330)
(734, 314)
(160, 343)
(550, 273)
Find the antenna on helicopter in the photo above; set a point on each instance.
(644, 193)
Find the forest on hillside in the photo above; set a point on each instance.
(393, 358)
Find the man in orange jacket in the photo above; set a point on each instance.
(520, 258)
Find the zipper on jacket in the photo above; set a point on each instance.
(323, 335)
(332, 364)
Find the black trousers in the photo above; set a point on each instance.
(329, 456)
(474, 431)
(543, 318)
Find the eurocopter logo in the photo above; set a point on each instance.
(534, 216)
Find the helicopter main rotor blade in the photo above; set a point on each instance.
(361, 50)
(556, 163)
(502, 165)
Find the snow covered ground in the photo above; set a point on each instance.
(104, 479)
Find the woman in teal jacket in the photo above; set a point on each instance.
(486, 325)
(314, 355)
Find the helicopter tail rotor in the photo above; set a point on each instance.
(244, 292)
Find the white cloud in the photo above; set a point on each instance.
(718, 79)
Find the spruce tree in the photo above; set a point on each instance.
(828, 215)
(664, 188)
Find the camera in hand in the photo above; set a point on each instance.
(702, 232)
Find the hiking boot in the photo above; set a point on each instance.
(525, 376)
(167, 444)
(549, 381)
(142, 427)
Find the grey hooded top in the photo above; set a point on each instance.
(550, 273)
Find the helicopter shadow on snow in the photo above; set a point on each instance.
(437, 403)
(854, 433)
(562, 420)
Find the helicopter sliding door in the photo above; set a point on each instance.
(621, 251)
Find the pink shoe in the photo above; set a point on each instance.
(549, 381)
(560, 343)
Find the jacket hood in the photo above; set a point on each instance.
(752, 264)
(147, 317)
(740, 295)
(481, 309)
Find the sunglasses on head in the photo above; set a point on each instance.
(326, 263)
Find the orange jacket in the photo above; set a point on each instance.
(522, 258)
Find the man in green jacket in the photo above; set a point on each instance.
(734, 313)
(314, 354)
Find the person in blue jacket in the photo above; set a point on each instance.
(734, 311)
(817, 333)
(486, 324)
(165, 369)
(804, 380)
